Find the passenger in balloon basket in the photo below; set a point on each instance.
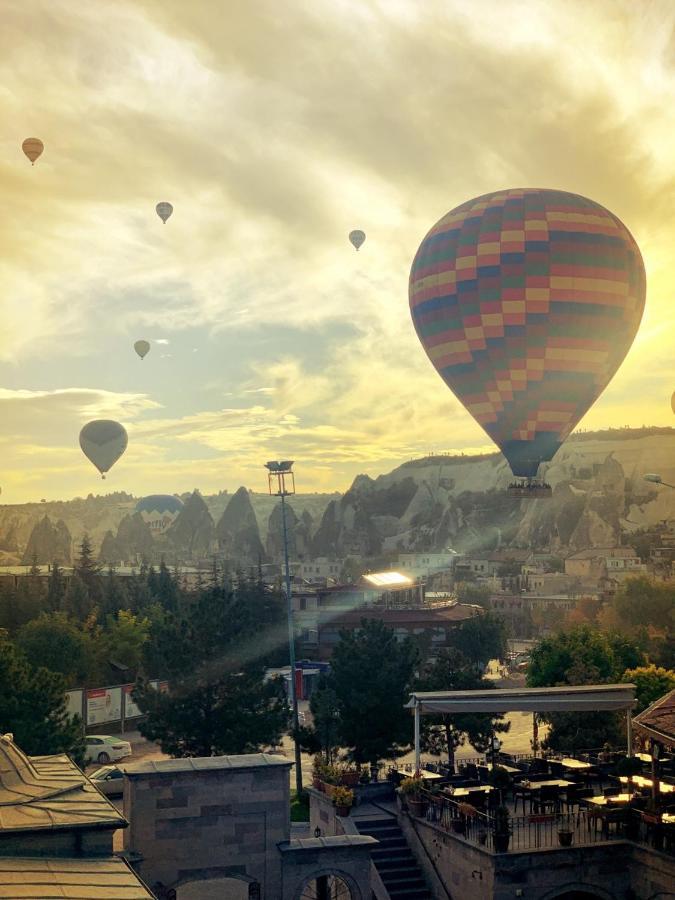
(530, 489)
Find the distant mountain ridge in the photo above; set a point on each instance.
(444, 500)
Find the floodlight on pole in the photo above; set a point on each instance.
(655, 478)
(281, 481)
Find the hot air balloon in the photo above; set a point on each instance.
(672, 403)
(142, 348)
(103, 441)
(32, 147)
(526, 302)
(357, 238)
(159, 511)
(164, 210)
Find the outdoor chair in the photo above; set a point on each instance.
(557, 769)
(470, 770)
(483, 772)
(547, 798)
(523, 795)
(611, 792)
(538, 767)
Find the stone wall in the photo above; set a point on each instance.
(607, 869)
(209, 818)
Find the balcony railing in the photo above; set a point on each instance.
(541, 830)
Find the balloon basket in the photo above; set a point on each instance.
(529, 490)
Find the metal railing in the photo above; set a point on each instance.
(538, 831)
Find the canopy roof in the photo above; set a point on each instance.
(585, 698)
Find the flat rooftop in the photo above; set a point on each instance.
(205, 764)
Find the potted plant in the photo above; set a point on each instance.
(349, 776)
(364, 777)
(499, 779)
(343, 798)
(329, 779)
(501, 829)
(565, 836)
(411, 789)
(318, 766)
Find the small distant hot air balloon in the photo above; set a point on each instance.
(526, 302)
(164, 210)
(672, 403)
(142, 348)
(357, 238)
(32, 147)
(103, 441)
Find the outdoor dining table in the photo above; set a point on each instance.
(551, 782)
(511, 770)
(644, 757)
(615, 800)
(578, 765)
(467, 791)
(423, 773)
(642, 781)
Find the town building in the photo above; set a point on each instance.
(391, 597)
(423, 565)
(595, 563)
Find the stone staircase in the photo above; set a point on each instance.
(394, 861)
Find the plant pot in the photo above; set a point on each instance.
(327, 788)
(565, 838)
(342, 810)
(417, 807)
(501, 842)
(350, 779)
(459, 826)
(316, 784)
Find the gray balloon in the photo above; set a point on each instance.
(103, 441)
(142, 348)
(164, 210)
(357, 238)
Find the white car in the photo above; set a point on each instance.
(109, 780)
(103, 748)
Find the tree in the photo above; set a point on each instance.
(78, 602)
(33, 707)
(58, 644)
(324, 736)
(444, 734)
(477, 594)
(56, 588)
(480, 638)
(582, 655)
(215, 649)
(651, 682)
(124, 638)
(372, 676)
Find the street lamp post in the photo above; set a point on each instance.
(281, 482)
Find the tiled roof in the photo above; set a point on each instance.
(658, 720)
(48, 792)
(73, 879)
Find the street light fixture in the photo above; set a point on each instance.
(281, 481)
(654, 478)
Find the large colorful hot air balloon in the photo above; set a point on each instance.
(142, 348)
(526, 302)
(164, 210)
(159, 511)
(103, 441)
(357, 238)
(33, 148)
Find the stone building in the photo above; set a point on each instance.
(219, 827)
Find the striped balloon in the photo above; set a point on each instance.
(527, 301)
(33, 148)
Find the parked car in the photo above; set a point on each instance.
(109, 780)
(104, 748)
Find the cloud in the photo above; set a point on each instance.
(274, 130)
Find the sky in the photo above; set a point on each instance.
(274, 129)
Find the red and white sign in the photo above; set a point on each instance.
(104, 705)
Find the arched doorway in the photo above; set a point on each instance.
(327, 887)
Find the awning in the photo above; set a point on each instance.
(585, 698)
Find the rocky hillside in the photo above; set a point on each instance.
(441, 501)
